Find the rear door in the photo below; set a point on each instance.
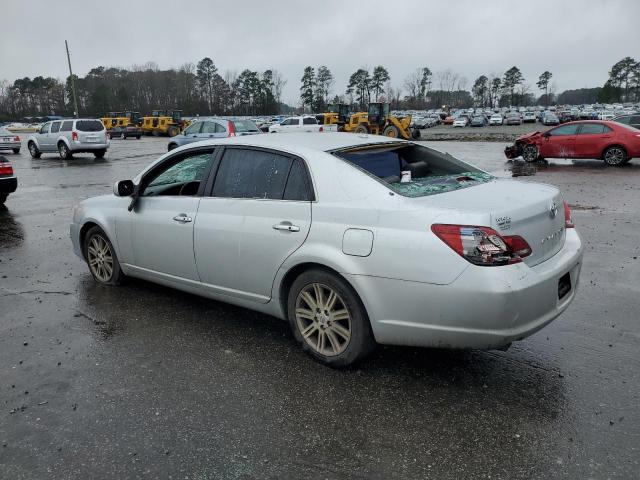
(560, 143)
(257, 214)
(591, 139)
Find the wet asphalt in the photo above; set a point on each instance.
(141, 381)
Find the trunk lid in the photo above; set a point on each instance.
(533, 211)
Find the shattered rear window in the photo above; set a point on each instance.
(420, 187)
(414, 170)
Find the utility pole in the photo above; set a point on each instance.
(73, 85)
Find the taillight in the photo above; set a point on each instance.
(232, 129)
(568, 221)
(321, 129)
(74, 136)
(483, 245)
(16, 139)
(6, 169)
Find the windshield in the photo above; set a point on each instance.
(414, 170)
(245, 126)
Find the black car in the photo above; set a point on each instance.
(126, 132)
(632, 120)
(8, 181)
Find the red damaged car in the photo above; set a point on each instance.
(612, 142)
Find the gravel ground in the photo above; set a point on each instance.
(146, 382)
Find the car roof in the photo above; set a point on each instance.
(305, 141)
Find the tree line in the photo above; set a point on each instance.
(202, 89)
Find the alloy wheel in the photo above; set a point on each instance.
(100, 258)
(614, 156)
(323, 319)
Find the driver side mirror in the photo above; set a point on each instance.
(546, 134)
(123, 188)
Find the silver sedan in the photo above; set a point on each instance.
(9, 141)
(356, 240)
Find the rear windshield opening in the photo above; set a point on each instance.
(245, 126)
(89, 126)
(413, 170)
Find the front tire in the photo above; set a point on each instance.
(361, 129)
(3, 198)
(328, 319)
(101, 258)
(530, 153)
(64, 151)
(173, 131)
(33, 151)
(615, 156)
(391, 131)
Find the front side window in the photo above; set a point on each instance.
(251, 174)
(290, 121)
(194, 129)
(182, 176)
(564, 130)
(45, 128)
(309, 121)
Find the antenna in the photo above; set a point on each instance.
(73, 84)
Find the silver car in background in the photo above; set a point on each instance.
(354, 239)
(206, 128)
(67, 137)
(9, 141)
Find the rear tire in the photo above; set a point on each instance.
(138, 137)
(415, 134)
(99, 153)
(3, 198)
(328, 319)
(101, 258)
(615, 156)
(16, 150)
(64, 151)
(173, 131)
(361, 129)
(33, 150)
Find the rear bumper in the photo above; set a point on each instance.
(483, 308)
(10, 145)
(87, 147)
(8, 184)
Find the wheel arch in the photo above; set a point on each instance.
(296, 270)
(84, 229)
(614, 145)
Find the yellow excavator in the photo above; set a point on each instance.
(120, 119)
(376, 121)
(164, 122)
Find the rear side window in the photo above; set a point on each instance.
(251, 174)
(297, 187)
(89, 126)
(194, 129)
(635, 120)
(309, 121)
(55, 127)
(245, 126)
(220, 128)
(594, 128)
(67, 126)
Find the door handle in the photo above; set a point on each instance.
(286, 226)
(182, 218)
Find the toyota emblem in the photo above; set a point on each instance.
(553, 210)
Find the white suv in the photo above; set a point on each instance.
(68, 137)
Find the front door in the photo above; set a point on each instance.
(43, 137)
(560, 142)
(161, 224)
(258, 214)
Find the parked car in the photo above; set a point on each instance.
(461, 121)
(606, 115)
(68, 137)
(496, 119)
(8, 180)
(124, 132)
(479, 121)
(631, 120)
(612, 142)
(9, 141)
(550, 119)
(513, 118)
(448, 120)
(529, 117)
(320, 230)
(206, 128)
(301, 124)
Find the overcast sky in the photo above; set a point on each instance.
(577, 40)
